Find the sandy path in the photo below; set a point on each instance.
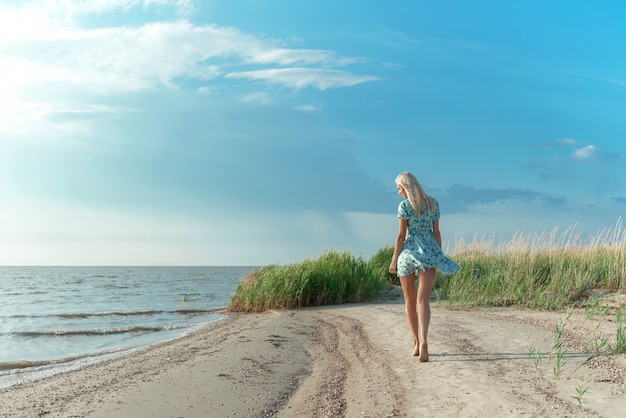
(346, 361)
(479, 366)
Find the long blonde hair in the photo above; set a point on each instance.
(415, 193)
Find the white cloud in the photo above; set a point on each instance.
(307, 108)
(393, 65)
(299, 78)
(22, 120)
(566, 141)
(49, 47)
(285, 56)
(584, 153)
(205, 90)
(73, 8)
(259, 97)
(128, 59)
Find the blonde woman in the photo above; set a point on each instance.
(418, 249)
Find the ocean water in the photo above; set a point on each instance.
(56, 318)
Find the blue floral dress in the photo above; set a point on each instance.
(420, 250)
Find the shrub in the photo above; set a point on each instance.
(333, 278)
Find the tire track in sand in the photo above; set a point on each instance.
(348, 379)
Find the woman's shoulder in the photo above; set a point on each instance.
(405, 209)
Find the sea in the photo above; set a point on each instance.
(54, 319)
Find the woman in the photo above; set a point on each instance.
(418, 248)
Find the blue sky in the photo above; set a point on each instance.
(232, 132)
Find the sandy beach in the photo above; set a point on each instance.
(348, 361)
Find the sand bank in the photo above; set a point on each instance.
(348, 360)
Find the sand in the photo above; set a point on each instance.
(348, 361)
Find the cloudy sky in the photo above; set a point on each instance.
(251, 132)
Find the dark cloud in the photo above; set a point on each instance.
(619, 200)
(548, 172)
(459, 198)
(574, 161)
(554, 202)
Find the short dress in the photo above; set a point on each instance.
(420, 250)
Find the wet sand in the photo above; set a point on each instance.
(348, 360)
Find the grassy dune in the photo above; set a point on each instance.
(546, 271)
(334, 278)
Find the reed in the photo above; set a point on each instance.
(333, 278)
(379, 264)
(545, 271)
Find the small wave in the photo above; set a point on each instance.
(147, 312)
(27, 364)
(95, 331)
(208, 310)
(73, 315)
(20, 364)
(113, 286)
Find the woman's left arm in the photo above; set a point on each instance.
(437, 233)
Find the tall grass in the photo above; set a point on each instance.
(379, 264)
(547, 271)
(334, 278)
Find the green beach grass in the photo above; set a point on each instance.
(541, 271)
(333, 278)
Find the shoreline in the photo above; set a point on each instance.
(345, 360)
(202, 366)
(24, 372)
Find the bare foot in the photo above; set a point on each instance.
(416, 350)
(423, 353)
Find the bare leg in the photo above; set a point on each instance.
(425, 286)
(410, 308)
